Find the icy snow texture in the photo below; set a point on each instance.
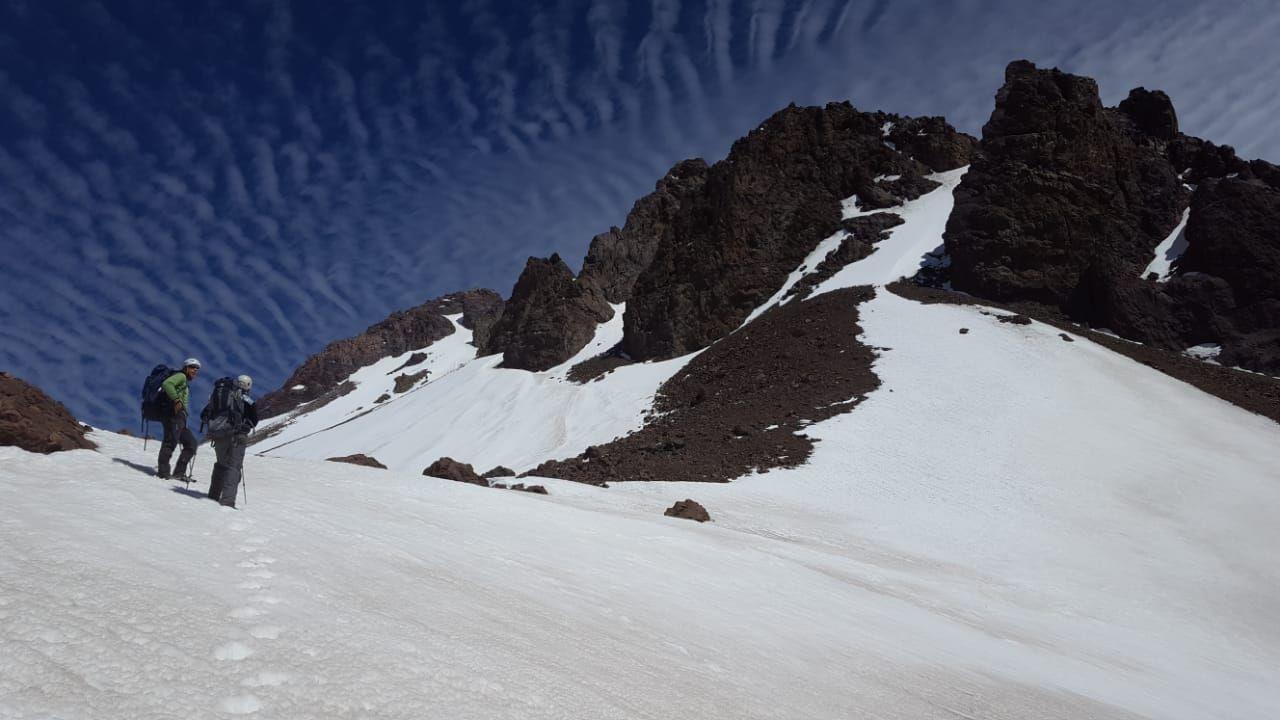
(1169, 250)
(1010, 527)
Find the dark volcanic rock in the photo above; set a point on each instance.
(1014, 319)
(1233, 235)
(451, 469)
(549, 318)
(414, 359)
(325, 372)
(616, 258)
(864, 232)
(535, 489)
(408, 380)
(797, 363)
(1064, 199)
(932, 141)
(35, 422)
(358, 459)
(480, 310)
(761, 211)
(382, 398)
(1152, 112)
(688, 510)
(598, 366)
(908, 187)
(500, 471)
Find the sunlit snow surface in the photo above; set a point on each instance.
(1011, 526)
(473, 411)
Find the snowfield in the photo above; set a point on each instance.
(1012, 526)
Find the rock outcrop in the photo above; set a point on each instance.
(1066, 201)
(500, 471)
(35, 422)
(450, 469)
(616, 258)
(358, 459)
(1064, 198)
(324, 373)
(932, 141)
(549, 318)
(759, 213)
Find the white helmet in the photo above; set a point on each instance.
(245, 382)
(190, 362)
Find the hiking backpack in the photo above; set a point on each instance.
(224, 414)
(155, 405)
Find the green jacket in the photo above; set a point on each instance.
(175, 386)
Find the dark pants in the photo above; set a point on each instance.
(176, 431)
(229, 468)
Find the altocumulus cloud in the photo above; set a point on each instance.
(246, 182)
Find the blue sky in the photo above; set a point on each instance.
(246, 181)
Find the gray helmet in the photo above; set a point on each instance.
(245, 382)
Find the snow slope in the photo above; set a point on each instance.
(1011, 526)
(471, 410)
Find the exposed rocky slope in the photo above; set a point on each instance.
(1066, 201)
(324, 373)
(551, 316)
(740, 406)
(33, 421)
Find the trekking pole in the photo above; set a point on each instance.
(191, 471)
(244, 485)
(146, 433)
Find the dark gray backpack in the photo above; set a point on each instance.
(224, 414)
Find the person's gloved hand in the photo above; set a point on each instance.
(177, 406)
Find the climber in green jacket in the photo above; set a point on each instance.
(177, 387)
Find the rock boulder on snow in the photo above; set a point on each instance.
(358, 459)
(35, 422)
(549, 318)
(451, 469)
(405, 382)
(500, 471)
(688, 510)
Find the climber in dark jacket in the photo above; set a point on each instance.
(224, 484)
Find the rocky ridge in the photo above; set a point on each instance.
(761, 211)
(551, 316)
(322, 376)
(35, 422)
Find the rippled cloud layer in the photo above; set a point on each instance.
(245, 182)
